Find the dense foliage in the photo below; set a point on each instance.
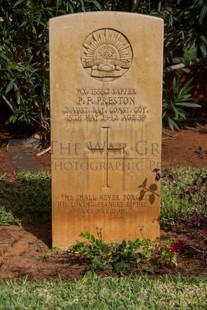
(24, 63)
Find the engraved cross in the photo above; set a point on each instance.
(107, 149)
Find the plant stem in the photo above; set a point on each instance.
(147, 189)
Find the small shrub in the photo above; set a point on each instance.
(137, 255)
(119, 257)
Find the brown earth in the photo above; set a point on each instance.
(24, 249)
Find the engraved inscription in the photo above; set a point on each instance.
(106, 54)
(91, 204)
(106, 104)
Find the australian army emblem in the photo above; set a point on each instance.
(106, 54)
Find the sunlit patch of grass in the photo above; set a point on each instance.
(7, 218)
(112, 293)
(28, 196)
(3, 177)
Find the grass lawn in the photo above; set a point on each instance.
(112, 293)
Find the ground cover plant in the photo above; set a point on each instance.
(177, 202)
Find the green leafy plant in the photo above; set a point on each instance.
(140, 254)
(175, 100)
(24, 57)
(196, 19)
(119, 257)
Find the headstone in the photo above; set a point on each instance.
(106, 90)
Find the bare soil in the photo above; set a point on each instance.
(24, 250)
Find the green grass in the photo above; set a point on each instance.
(113, 293)
(29, 196)
(7, 217)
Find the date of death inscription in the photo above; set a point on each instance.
(102, 204)
(107, 104)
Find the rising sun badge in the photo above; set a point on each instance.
(106, 54)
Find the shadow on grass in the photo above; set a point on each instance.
(27, 201)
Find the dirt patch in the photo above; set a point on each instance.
(24, 250)
(26, 253)
(178, 148)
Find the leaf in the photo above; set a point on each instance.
(174, 84)
(203, 13)
(184, 90)
(123, 244)
(190, 43)
(97, 263)
(82, 5)
(189, 104)
(23, 24)
(153, 187)
(93, 238)
(18, 98)
(96, 3)
(70, 8)
(141, 195)
(121, 266)
(85, 235)
(97, 243)
(9, 86)
(152, 198)
(102, 246)
(176, 112)
(88, 276)
(144, 183)
(172, 124)
(170, 178)
(203, 39)
(18, 2)
(203, 48)
(4, 57)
